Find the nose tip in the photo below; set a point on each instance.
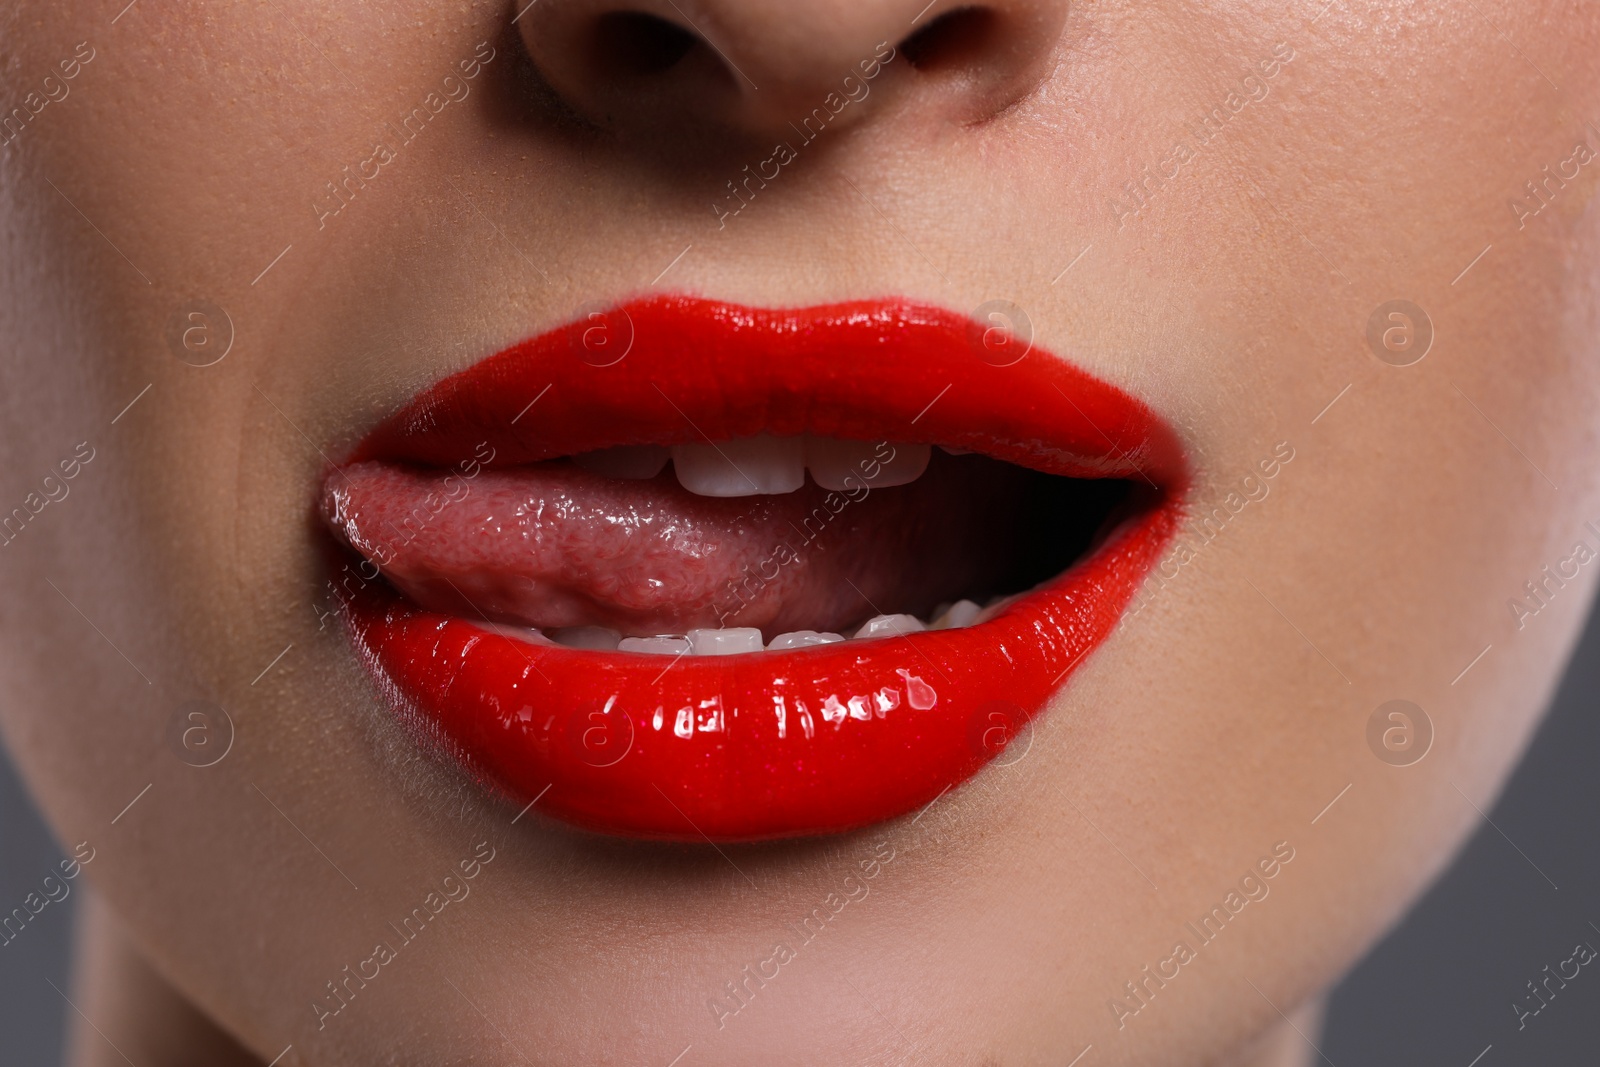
(753, 66)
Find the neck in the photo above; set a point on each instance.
(1286, 1043)
(125, 1012)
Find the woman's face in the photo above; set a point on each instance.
(1354, 243)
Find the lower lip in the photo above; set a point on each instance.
(746, 747)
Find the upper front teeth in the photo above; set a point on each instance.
(848, 465)
(743, 467)
(755, 465)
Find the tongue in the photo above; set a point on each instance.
(553, 546)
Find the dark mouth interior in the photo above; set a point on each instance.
(645, 557)
(1055, 523)
(971, 528)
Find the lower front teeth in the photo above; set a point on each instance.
(890, 626)
(665, 645)
(593, 638)
(802, 639)
(957, 615)
(729, 642)
(740, 639)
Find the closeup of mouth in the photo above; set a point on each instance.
(687, 570)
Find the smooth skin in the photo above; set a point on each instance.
(185, 168)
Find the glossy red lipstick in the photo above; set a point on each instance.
(775, 743)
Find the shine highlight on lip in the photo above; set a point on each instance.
(693, 571)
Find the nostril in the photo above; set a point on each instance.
(646, 71)
(636, 43)
(954, 40)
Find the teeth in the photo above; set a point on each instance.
(994, 607)
(751, 466)
(518, 633)
(744, 467)
(838, 465)
(957, 615)
(591, 638)
(801, 639)
(625, 461)
(729, 642)
(662, 645)
(890, 626)
(906, 467)
(740, 639)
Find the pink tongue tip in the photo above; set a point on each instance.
(553, 546)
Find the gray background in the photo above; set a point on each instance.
(1438, 990)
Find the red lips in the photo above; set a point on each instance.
(764, 744)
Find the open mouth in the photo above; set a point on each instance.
(687, 570)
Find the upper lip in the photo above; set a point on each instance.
(894, 369)
(677, 369)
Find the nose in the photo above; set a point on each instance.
(755, 66)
